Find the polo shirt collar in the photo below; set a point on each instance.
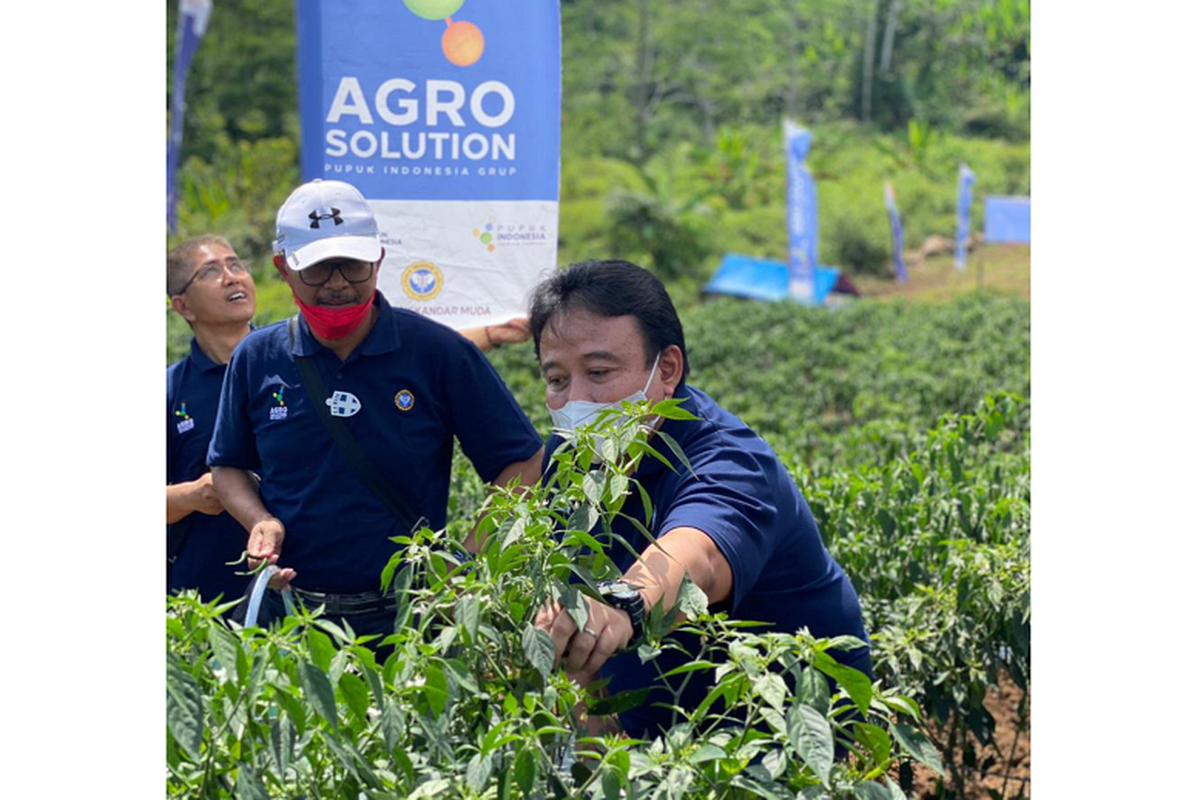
(202, 361)
(383, 338)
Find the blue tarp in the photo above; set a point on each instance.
(1006, 219)
(759, 279)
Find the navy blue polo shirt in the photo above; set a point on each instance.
(418, 385)
(743, 498)
(193, 392)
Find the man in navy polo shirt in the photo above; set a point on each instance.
(736, 523)
(210, 288)
(404, 387)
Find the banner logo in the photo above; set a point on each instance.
(462, 42)
(422, 281)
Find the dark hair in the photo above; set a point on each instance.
(611, 289)
(179, 259)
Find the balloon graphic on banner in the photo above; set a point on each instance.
(433, 9)
(462, 42)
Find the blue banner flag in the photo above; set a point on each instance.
(889, 200)
(446, 115)
(193, 21)
(966, 181)
(1006, 219)
(801, 214)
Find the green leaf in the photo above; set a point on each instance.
(283, 744)
(671, 408)
(618, 703)
(692, 599)
(575, 603)
(917, 745)
(466, 613)
(706, 752)
(811, 736)
(294, 709)
(355, 693)
(318, 692)
(610, 782)
(776, 762)
(320, 648)
(872, 791)
(855, 683)
(226, 648)
(676, 449)
(539, 649)
(374, 681)
(479, 769)
(249, 787)
(525, 770)
(690, 667)
(770, 687)
(876, 740)
(436, 788)
(185, 708)
(618, 486)
(437, 688)
(894, 791)
(392, 723)
(593, 487)
(813, 690)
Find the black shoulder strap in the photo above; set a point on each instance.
(345, 441)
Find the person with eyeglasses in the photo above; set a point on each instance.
(404, 387)
(212, 289)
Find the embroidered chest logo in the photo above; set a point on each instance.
(343, 404)
(405, 400)
(186, 423)
(279, 411)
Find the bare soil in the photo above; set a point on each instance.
(1010, 756)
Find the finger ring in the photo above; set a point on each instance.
(590, 631)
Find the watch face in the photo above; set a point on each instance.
(620, 590)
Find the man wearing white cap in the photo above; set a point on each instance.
(348, 412)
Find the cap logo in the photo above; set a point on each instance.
(316, 218)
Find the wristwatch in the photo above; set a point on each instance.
(625, 596)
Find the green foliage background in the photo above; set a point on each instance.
(671, 123)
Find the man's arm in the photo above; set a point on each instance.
(660, 573)
(239, 494)
(527, 473)
(490, 337)
(191, 496)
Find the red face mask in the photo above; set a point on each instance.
(334, 323)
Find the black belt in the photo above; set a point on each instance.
(341, 605)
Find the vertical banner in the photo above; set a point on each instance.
(446, 116)
(889, 200)
(193, 21)
(801, 214)
(966, 180)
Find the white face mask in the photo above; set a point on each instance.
(577, 413)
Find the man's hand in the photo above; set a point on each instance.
(514, 331)
(584, 651)
(266, 543)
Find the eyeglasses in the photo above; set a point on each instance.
(352, 271)
(213, 271)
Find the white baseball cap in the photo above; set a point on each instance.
(326, 219)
